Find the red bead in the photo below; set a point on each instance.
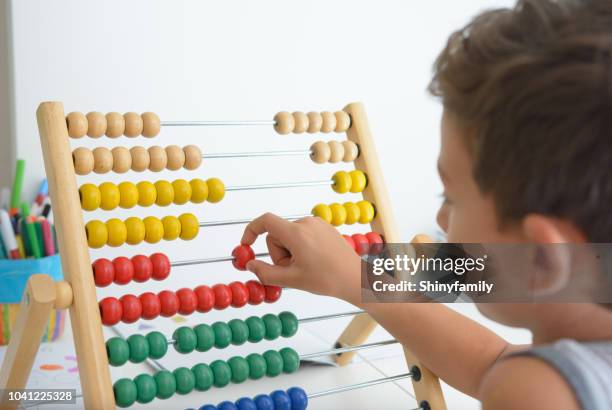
(223, 296)
(350, 241)
(110, 311)
(104, 272)
(143, 268)
(257, 292)
(206, 298)
(151, 307)
(169, 303)
(240, 294)
(161, 266)
(273, 293)
(188, 301)
(124, 270)
(361, 243)
(132, 308)
(376, 243)
(242, 254)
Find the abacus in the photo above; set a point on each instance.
(88, 315)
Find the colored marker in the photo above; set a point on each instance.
(46, 208)
(30, 232)
(3, 254)
(6, 228)
(47, 237)
(17, 185)
(43, 191)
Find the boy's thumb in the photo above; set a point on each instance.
(268, 274)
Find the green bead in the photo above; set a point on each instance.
(204, 376)
(139, 348)
(166, 384)
(274, 363)
(222, 373)
(146, 388)
(205, 337)
(118, 351)
(125, 392)
(185, 380)
(240, 369)
(274, 326)
(290, 324)
(291, 359)
(158, 345)
(240, 331)
(185, 339)
(257, 366)
(257, 329)
(223, 334)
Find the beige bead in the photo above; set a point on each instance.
(83, 160)
(103, 160)
(157, 158)
(329, 121)
(301, 122)
(193, 157)
(140, 158)
(96, 124)
(343, 121)
(63, 295)
(133, 124)
(351, 151)
(320, 152)
(150, 124)
(176, 157)
(315, 121)
(77, 124)
(284, 122)
(337, 151)
(115, 125)
(122, 160)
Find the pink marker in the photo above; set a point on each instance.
(6, 228)
(47, 237)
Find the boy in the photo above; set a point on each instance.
(526, 157)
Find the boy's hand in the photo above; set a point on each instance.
(308, 254)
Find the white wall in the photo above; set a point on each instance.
(7, 146)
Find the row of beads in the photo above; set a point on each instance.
(347, 213)
(133, 230)
(312, 122)
(130, 308)
(202, 338)
(109, 196)
(333, 151)
(354, 181)
(122, 270)
(144, 388)
(113, 124)
(294, 398)
(370, 243)
(120, 159)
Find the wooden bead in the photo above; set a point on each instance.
(315, 121)
(63, 295)
(150, 124)
(337, 151)
(77, 124)
(140, 158)
(343, 121)
(122, 160)
(157, 158)
(301, 122)
(193, 157)
(351, 151)
(115, 125)
(329, 121)
(133, 124)
(83, 160)
(284, 122)
(176, 157)
(320, 152)
(103, 160)
(96, 124)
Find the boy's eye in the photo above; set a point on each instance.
(445, 199)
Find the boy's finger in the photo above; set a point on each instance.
(268, 222)
(270, 274)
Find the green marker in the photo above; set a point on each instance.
(17, 185)
(30, 231)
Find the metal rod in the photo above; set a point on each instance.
(214, 123)
(347, 349)
(279, 185)
(332, 316)
(211, 260)
(247, 220)
(359, 385)
(257, 154)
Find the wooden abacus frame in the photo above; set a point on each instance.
(79, 293)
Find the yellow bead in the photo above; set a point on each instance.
(147, 194)
(90, 197)
(323, 212)
(216, 190)
(135, 230)
(338, 214)
(110, 196)
(182, 191)
(189, 226)
(342, 182)
(366, 212)
(154, 229)
(172, 227)
(358, 181)
(117, 232)
(128, 195)
(97, 234)
(199, 190)
(165, 193)
(352, 213)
